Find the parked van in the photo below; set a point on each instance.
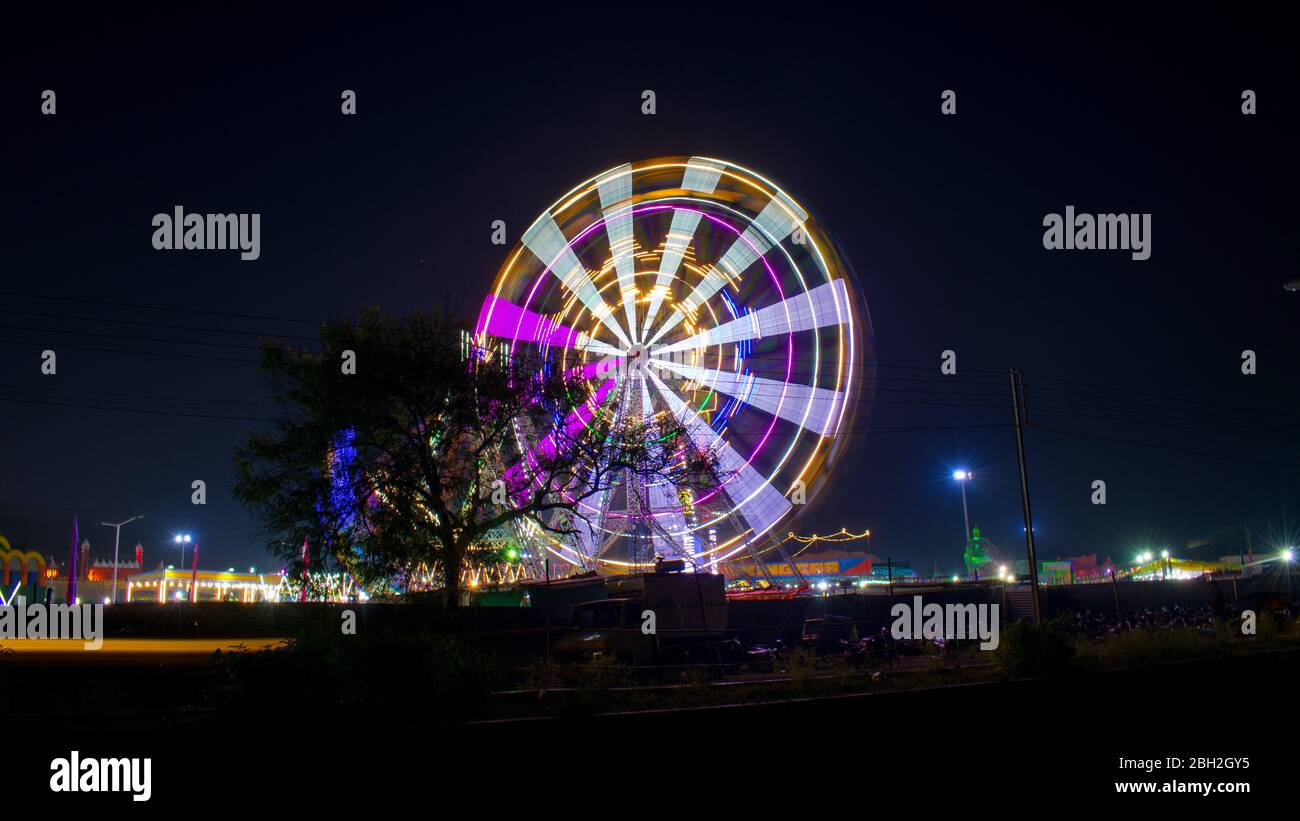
(651, 618)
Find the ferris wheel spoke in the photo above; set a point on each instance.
(602, 535)
(701, 175)
(586, 537)
(752, 496)
(813, 409)
(521, 472)
(501, 318)
(665, 513)
(545, 239)
(778, 219)
(615, 191)
(825, 305)
(680, 234)
(670, 525)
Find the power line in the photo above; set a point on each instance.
(138, 397)
(1165, 397)
(1181, 409)
(179, 413)
(1167, 421)
(1147, 444)
(924, 428)
(162, 325)
(174, 355)
(173, 309)
(127, 338)
(79, 406)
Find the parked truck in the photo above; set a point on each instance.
(648, 619)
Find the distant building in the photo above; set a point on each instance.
(828, 567)
(102, 571)
(1087, 567)
(166, 585)
(83, 561)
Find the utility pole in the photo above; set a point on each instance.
(546, 603)
(194, 575)
(1019, 420)
(963, 476)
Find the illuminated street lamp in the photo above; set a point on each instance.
(182, 539)
(1287, 556)
(965, 476)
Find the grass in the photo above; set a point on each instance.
(447, 678)
(1025, 650)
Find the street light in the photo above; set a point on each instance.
(964, 476)
(182, 539)
(117, 538)
(1287, 556)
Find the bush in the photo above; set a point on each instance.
(389, 670)
(587, 674)
(1028, 649)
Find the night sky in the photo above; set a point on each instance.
(465, 120)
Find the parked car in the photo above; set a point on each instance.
(608, 629)
(662, 618)
(830, 636)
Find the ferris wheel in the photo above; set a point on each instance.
(694, 289)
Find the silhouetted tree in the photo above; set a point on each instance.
(432, 444)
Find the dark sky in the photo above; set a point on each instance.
(464, 120)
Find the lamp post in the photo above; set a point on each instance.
(1164, 565)
(963, 476)
(1287, 556)
(182, 539)
(117, 538)
(194, 576)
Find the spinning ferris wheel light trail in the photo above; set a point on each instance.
(695, 291)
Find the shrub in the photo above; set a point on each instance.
(1028, 649)
(389, 670)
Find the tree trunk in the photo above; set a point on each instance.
(452, 564)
